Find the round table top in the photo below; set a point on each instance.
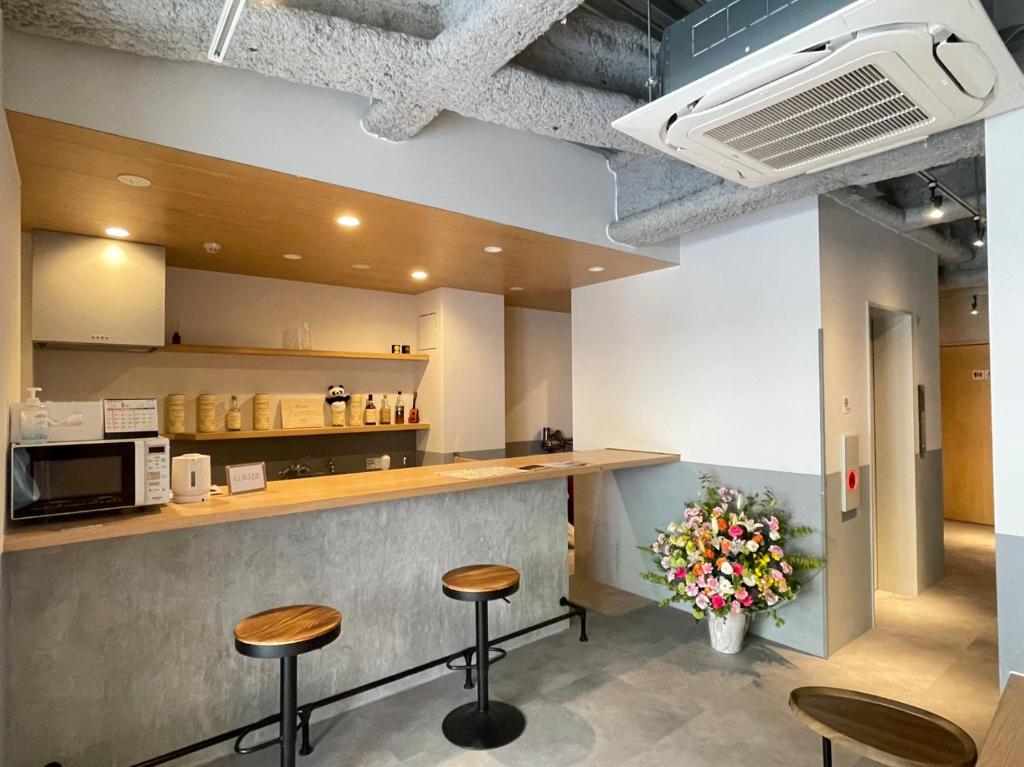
(887, 731)
(481, 579)
(288, 625)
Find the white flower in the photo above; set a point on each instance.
(725, 587)
(665, 563)
(741, 501)
(749, 579)
(752, 545)
(774, 535)
(727, 568)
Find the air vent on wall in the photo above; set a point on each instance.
(813, 85)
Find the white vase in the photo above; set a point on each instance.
(727, 634)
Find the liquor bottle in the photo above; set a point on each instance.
(234, 419)
(399, 410)
(385, 411)
(370, 412)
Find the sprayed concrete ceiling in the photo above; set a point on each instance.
(559, 68)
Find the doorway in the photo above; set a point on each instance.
(893, 432)
(967, 434)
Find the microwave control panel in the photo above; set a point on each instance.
(157, 466)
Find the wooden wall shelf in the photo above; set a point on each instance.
(321, 431)
(255, 351)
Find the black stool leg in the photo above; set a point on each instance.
(483, 657)
(289, 703)
(826, 752)
(306, 748)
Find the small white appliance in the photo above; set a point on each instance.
(63, 478)
(190, 478)
(67, 421)
(758, 91)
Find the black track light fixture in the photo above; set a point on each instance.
(936, 212)
(979, 232)
(974, 305)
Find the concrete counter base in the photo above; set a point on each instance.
(119, 650)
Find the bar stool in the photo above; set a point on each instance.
(485, 723)
(286, 633)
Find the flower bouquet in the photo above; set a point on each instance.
(728, 558)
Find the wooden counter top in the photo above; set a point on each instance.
(318, 493)
(1004, 744)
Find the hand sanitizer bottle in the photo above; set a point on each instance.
(34, 425)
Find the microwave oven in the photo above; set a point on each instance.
(57, 479)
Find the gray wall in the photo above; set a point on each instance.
(121, 650)
(619, 511)
(956, 323)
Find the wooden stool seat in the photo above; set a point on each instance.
(287, 631)
(480, 583)
(884, 730)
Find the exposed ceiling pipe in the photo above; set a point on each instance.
(954, 279)
(720, 202)
(920, 217)
(891, 217)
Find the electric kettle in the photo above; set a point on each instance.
(190, 478)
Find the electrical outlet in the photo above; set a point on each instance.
(374, 464)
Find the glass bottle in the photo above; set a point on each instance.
(234, 419)
(385, 411)
(399, 410)
(369, 412)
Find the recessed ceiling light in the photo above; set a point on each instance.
(419, 274)
(515, 289)
(116, 231)
(132, 180)
(293, 256)
(360, 266)
(493, 249)
(596, 269)
(348, 221)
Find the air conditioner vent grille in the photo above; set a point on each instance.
(848, 112)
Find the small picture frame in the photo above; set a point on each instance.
(247, 478)
(406, 349)
(396, 348)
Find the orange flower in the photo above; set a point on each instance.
(758, 537)
(726, 546)
(709, 553)
(721, 524)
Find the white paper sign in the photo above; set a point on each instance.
(247, 478)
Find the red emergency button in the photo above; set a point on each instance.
(852, 480)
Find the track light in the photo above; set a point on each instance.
(936, 212)
(979, 232)
(229, 17)
(974, 305)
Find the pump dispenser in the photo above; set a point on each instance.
(34, 425)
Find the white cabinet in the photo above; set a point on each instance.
(93, 291)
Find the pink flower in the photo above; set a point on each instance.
(680, 573)
(748, 601)
(712, 583)
(692, 512)
(737, 568)
(692, 590)
(717, 602)
(776, 575)
(787, 568)
(701, 601)
(708, 568)
(773, 523)
(735, 607)
(702, 582)
(735, 531)
(775, 551)
(770, 598)
(742, 594)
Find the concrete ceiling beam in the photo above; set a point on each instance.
(889, 216)
(331, 51)
(721, 202)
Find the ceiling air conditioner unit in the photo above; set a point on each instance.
(761, 90)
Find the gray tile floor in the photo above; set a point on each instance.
(648, 690)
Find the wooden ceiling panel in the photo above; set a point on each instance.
(69, 184)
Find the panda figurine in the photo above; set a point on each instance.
(336, 394)
(336, 399)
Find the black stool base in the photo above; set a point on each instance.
(498, 726)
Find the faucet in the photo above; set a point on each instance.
(296, 470)
(553, 441)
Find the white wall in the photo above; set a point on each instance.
(863, 263)
(10, 328)
(236, 310)
(538, 373)
(476, 168)
(464, 385)
(716, 359)
(1004, 170)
